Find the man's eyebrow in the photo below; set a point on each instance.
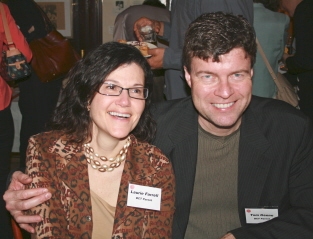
(204, 72)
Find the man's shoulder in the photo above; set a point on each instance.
(172, 107)
(273, 111)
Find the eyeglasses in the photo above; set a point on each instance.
(109, 89)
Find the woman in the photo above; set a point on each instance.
(96, 156)
(6, 121)
(271, 30)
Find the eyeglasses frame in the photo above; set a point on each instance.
(121, 90)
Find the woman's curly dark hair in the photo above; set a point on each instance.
(85, 78)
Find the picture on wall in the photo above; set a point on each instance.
(60, 14)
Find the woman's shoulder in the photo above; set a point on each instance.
(48, 136)
(151, 151)
(50, 139)
(149, 160)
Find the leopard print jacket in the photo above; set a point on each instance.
(61, 167)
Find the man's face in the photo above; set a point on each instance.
(221, 91)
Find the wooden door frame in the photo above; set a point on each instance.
(87, 25)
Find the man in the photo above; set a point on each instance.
(183, 12)
(124, 21)
(123, 29)
(300, 65)
(238, 159)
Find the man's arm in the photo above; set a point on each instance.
(119, 24)
(156, 26)
(19, 199)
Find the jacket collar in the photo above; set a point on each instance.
(182, 149)
(137, 172)
(70, 159)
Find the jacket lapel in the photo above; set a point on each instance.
(74, 170)
(183, 144)
(253, 164)
(136, 173)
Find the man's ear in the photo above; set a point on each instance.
(187, 76)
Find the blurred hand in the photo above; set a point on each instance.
(143, 21)
(228, 236)
(285, 56)
(156, 59)
(18, 199)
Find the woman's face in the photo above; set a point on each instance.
(117, 116)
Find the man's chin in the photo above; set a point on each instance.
(227, 124)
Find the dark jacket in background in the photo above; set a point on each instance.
(301, 64)
(26, 15)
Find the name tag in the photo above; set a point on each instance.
(144, 197)
(258, 215)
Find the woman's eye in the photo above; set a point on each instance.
(136, 90)
(111, 87)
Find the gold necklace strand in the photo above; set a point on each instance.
(113, 162)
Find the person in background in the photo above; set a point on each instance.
(123, 29)
(96, 154)
(183, 12)
(271, 29)
(300, 65)
(37, 100)
(6, 120)
(235, 156)
(124, 21)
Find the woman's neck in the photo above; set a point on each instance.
(105, 145)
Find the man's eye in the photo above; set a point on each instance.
(207, 76)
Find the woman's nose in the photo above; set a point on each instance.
(123, 98)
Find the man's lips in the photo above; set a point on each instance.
(223, 106)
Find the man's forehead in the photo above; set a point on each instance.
(237, 50)
(235, 56)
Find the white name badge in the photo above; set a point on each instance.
(144, 197)
(258, 215)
